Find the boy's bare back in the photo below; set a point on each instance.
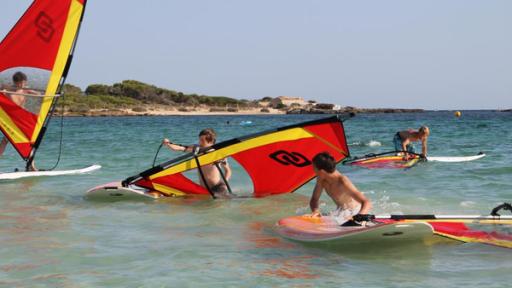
(341, 190)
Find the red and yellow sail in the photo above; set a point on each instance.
(277, 161)
(40, 45)
(488, 230)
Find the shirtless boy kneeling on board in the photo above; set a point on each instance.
(211, 172)
(404, 141)
(17, 93)
(352, 205)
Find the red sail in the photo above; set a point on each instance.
(277, 161)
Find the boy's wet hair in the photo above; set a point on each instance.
(18, 77)
(424, 129)
(210, 135)
(324, 161)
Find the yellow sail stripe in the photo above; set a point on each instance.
(70, 30)
(168, 190)
(11, 129)
(286, 135)
(330, 144)
(492, 241)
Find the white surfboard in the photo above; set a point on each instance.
(114, 191)
(455, 159)
(25, 174)
(326, 231)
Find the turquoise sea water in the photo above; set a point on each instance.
(52, 237)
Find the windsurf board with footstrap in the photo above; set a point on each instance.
(325, 230)
(484, 229)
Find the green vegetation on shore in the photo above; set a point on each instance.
(134, 94)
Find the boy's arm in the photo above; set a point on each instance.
(424, 146)
(176, 147)
(404, 148)
(227, 169)
(404, 145)
(3, 144)
(366, 205)
(313, 203)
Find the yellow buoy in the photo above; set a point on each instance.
(457, 114)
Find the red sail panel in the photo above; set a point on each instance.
(25, 122)
(35, 39)
(177, 181)
(460, 231)
(332, 133)
(283, 167)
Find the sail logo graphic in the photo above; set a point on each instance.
(290, 158)
(44, 24)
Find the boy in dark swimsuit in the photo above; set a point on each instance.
(403, 140)
(211, 173)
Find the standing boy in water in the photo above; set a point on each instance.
(403, 140)
(352, 205)
(212, 175)
(17, 95)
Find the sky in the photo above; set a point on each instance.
(434, 54)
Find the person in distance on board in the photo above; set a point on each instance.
(352, 205)
(404, 141)
(212, 175)
(19, 86)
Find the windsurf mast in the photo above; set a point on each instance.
(494, 216)
(40, 46)
(200, 169)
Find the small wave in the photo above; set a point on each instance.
(301, 211)
(494, 171)
(246, 122)
(384, 202)
(371, 143)
(467, 203)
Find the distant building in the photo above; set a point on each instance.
(288, 101)
(264, 103)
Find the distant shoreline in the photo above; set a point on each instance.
(249, 112)
(159, 111)
(135, 98)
